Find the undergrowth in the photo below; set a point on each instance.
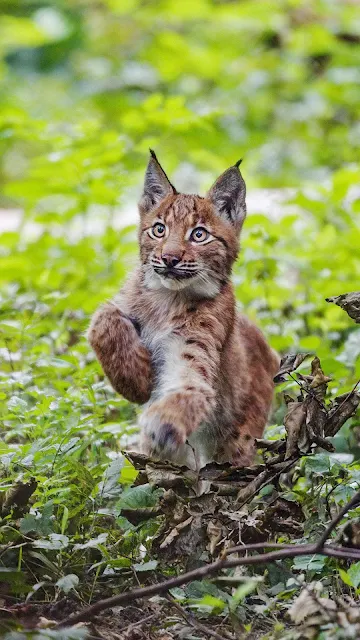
(70, 160)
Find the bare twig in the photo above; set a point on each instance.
(132, 625)
(338, 415)
(191, 620)
(270, 445)
(255, 546)
(207, 570)
(335, 521)
(265, 477)
(346, 398)
(310, 392)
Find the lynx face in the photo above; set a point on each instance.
(183, 243)
(189, 242)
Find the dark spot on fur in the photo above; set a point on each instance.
(188, 356)
(166, 434)
(136, 324)
(206, 324)
(203, 372)
(222, 240)
(197, 343)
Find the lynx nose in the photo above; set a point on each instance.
(169, 260)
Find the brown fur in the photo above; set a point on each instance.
(201, 367)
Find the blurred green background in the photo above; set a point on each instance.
(86, 87)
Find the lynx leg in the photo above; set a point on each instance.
(239, 449)
(123, 357)
(239, 440)
(183, 401)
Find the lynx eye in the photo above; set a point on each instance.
(199, 235)
(158, 230)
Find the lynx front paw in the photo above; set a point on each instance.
(107, 326)
(160, 436)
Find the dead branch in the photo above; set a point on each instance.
(335, 521)
(210, 569)
(343, 407)
(264, 478)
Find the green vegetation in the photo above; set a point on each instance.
(86, 87)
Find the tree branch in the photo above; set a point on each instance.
(210, 569)
(335, 521)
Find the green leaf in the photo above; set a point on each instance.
(146, 566)
(309, 563)
(139, 497)
(354, 574)
(42, 523)
(241, 592)
(209, 603)
(345, 577)
(56, 541)
(110, 486)
(93, 543)
(68, 582)
(64, 519)
(198, 589)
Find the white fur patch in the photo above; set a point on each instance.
(175, 285)
(176, 373)
(203, 287)
(174, 376)
(200, 286)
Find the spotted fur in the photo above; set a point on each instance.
(173, 340)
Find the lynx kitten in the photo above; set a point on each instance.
(173, 340)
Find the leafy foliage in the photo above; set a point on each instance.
(85, 89)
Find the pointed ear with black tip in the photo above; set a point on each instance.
(228, 196)
(156, 185)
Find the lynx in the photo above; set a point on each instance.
(173, 340)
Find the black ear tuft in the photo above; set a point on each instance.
(228, 196)
(156, 185)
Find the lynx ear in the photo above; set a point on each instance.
(156, 185)
(228, 196)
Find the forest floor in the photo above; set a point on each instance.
(205, 530)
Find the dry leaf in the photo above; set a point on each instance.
(214, 529)
(318, 376)
(288, 364)
(309, 603)
(19, 495)
(44, 623)
(175, 532)
(342, 408)
(349, 302)
(294, 421)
